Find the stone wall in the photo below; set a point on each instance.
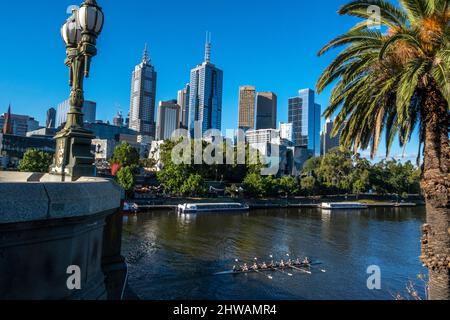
(48, 226)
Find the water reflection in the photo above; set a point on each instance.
(174, 256)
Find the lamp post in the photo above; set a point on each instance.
(73, 143)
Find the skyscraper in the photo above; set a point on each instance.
(51, 118)
(168, 119)
(89, 110)
(327, 141)
(205, 98)
(304, 114)
(266, 111)
(183, 102)
(247, 97)
(143, 97)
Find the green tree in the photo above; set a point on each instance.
(35, 161)
(172, 177)
(389, 80)
(126, 179)
(271, 186)
(125, 155)
(254, 185)
(335, 170)
(308, 185)
(288, 185)
(193, 186)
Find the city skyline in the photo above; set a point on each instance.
(258, 62)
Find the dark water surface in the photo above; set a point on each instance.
(175, 257)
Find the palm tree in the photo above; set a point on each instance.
(389, 80)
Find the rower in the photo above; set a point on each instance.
(306, 262)
(264, 266)
(271, 265)
(245, 268)
(235, 269)
(297, 262)
(282, 265)
(289, 263)
(255, 266)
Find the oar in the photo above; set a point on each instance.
(282, 271)
(301, 270)
(259, 272)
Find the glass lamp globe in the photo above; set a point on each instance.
(70, 32)
(90, 17)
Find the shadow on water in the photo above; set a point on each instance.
(175, 256)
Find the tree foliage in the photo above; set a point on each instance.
(36, 161)
(126, 179)
(125, 155)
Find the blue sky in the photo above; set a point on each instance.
(272, 45)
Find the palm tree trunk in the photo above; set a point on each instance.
(436, 188)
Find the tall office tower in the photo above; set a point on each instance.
(143, 97)
(327, 141)
(168, 119)
(205, 98)
(118, 120)
(247, 98)
(304, 114)
(89, 110)
(266, 111)
(183, 102)
(287, 131)
(51, 118)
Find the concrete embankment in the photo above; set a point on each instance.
(375, 201)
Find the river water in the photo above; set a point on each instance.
(176, 257)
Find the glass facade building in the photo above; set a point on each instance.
(305, 115)
(89, 110)
(143, 97)
(266, 111)
(205, 97)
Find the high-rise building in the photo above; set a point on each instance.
(183, 102)
(51, 118)
(287, 131)
(168, 119)
(327, 141)
(118, 120)
(89, 110)
(304, 114)
(266, 111)
(247, 98)
(143, 97)
(16, 124)
(205, 98)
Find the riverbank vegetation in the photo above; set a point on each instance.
(339, 172)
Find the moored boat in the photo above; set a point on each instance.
(193, 208)
(343, 206)
(130, 208)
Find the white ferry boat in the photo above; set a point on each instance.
(343, 206)
(193, 208)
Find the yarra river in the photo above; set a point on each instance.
(176, 257)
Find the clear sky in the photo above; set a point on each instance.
(272, 45)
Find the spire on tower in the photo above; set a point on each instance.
(208, 47)
(146, 57)
(7, 126)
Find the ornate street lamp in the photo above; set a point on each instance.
(73, 143)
